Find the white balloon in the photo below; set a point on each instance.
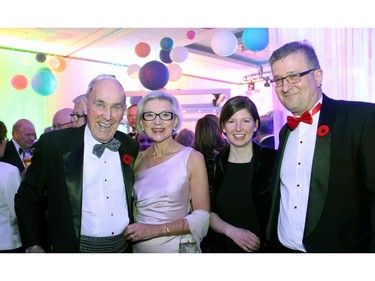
(224, 43)
(175, 72)
(179, 54)
(133, 71)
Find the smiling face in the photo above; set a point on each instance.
(240, 128)
(158, 130)
(105, 108)
(301, 96)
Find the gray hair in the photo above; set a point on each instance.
(159, 95)
(79, 99)
(104, 77)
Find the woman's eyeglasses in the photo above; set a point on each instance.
(151, 116)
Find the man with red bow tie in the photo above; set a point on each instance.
(324, 180)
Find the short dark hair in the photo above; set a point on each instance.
(303, 47)
(236, 104)
(3, 132)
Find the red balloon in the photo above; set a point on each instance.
(142, 49)
(19, 82)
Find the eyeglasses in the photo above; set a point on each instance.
(164, 115)
(75, 116)
(61, 126)
(291, 79)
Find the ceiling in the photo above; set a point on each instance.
(117, 46)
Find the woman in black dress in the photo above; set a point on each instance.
(241, 198)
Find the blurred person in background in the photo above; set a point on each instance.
(78, 117)
(185, 137)
(131, 115)
(61, 119)
(23, 137)
(10, 179)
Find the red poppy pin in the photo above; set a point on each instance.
(323, 130)
(127, 159)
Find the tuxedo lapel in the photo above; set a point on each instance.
(320, 167)
(73, 166)
(128, 175)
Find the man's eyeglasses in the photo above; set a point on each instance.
(75, 116)
(164, 115)
(61, 126)
(291, 79)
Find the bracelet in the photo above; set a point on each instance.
(168, 231)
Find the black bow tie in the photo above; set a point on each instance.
(20, 151)
(113, 145)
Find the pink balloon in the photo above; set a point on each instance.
(175, 72)
(133, 71)
(190, 34)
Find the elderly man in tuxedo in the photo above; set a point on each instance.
(87, 174)
(23, 137)
(324, 180)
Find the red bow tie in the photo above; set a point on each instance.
(306, 117)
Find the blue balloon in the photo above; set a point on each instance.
(154, 75)
(255, 39)
(166, 43)
(164, 56)
(44, 82)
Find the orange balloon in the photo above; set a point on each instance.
(142, 49)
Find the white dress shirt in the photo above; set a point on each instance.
(10, 180)
(104, 207)
(295, 178)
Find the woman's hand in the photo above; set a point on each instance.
(245, 239)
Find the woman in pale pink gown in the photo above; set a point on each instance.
(171, 187)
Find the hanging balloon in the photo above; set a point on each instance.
(154, 75)
(133, 71)
(166, 43)
(255, 39)
(175, 72)
(179, 54)
(57, 64)
(224, 43)
(164, 56)
(44, 82)
(142, 49)
(40, 57)
(190, 34)
(19, 82)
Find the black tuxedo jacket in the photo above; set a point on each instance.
(341, 211)
(57, 168)
(11, 156)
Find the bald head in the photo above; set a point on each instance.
(24, 133)
(62, 119)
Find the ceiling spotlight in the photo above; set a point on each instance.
(251, 86)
